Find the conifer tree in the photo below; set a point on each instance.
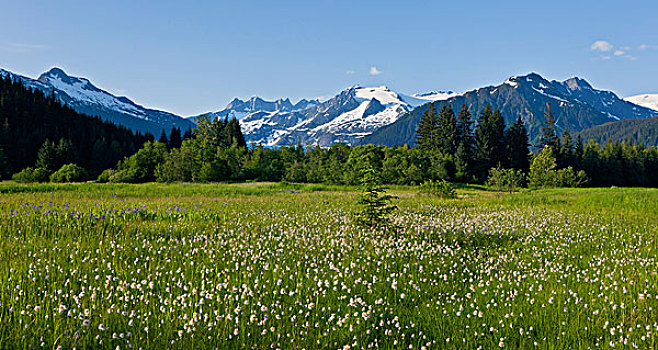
(464, 127)
(65, 152)
(375, 203)
(579, 150)
(163, 138)
(426, 137)
(483, 143)
(548, 132)
(447, 130)
(47, 156)
(175, 138)
(566, 151)
(516, 145)
(465, 147)
(489, 138)
(498, 136)
(234, 134)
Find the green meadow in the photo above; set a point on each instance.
(270, 265)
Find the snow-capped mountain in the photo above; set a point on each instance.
(645, 100)
(352, 114)
(240, 109)
(81, 95)
(575, 105)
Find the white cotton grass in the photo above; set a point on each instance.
(293, 271)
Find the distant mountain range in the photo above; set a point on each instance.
(85, 98)
(347, 117)
(575, 105)
(361, 115)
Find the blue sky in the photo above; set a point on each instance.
(191, 57)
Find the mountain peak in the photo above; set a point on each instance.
(530, 78)
(56, 71)
(577, 83)
(82, 96)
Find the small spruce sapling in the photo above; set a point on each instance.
(375, 204)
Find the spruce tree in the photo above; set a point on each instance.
(465, 147)
(548, 132)
(498, 137)
(566, 151)
(426, 133)
(163, 138)
(65, 153)
(490, 141)
(483, 144)
(464, 127)
(47, 156)
(447, 130)
(175, 138)
(579, 150)
(516, 145)
(234, 134)
(375, 204)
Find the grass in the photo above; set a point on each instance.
(260, 265)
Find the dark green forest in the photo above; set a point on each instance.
(32, 121)
(634, 131)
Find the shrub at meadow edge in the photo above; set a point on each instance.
(69, 173)
(508, 180)
(30, 174)
(441, 189)
(543, 174)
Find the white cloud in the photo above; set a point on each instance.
(350, 72)
(21, 47)
(602, 46)
(375, 71)
(619, 53)
(643, 47)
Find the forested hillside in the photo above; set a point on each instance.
(31, 121)
(633, 131)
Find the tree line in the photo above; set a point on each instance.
(41, 136)
(449, 146)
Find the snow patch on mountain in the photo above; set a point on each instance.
(645, 100)
(512, 82)
(382, 94)
(541, 91)
(83, 90)
(436, 95)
